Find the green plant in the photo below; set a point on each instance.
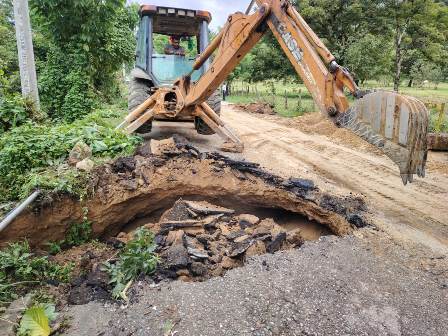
(20, 269)
(136, 258)
(78, 234)
(30, 154)
(36, 320)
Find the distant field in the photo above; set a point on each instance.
(299, 101)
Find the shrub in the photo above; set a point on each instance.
(20, 268)
(136, 258)
(29, 154)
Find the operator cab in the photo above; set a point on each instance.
(160, 30)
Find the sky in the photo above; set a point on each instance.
(220, 9)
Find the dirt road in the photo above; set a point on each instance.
(312, 147)
(374, 282)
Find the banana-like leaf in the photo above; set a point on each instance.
(396, 124)
(35, 322)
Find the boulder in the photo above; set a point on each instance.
(198, 269)
(86, 165)
(79, 152)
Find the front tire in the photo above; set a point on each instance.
(215, 103)
(139, 91)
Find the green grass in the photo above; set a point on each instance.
(299, 100)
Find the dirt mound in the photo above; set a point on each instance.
(138, 186)
(258, 108)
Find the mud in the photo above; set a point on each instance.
(138, 186)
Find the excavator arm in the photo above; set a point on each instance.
(394, 123)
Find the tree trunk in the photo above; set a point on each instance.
(400, 32)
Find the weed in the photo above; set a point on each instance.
(136, 258)
(20, 269)
(78, 234)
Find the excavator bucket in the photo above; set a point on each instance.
(396, 124)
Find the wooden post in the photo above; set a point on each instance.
(286, 100)
(441, 118)
(28, 77)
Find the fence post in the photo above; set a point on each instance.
(441, 118)
(286, 101)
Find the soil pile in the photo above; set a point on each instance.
(257, 108)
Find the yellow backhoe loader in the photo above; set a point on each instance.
(394, 123)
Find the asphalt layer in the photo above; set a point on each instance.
(364, 285)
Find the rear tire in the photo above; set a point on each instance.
(139, 91)
(215, 103)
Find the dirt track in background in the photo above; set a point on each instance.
(311, 147)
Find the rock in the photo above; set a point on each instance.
(123, 165)
(176, 257)
(123, 237)
(276, 230)
(185, 278)
(164, 147)
(257, 248)
(175, 237)
(193, 243)
(200, 254)
(79, 152)
(229, 263)
(206, 208)
(246, 220)
(295, 238)
(178, 212)
(129, 184)
(235, 234)
(303, 184)
(216, 258)
(241, 239)
(239, 249)
(198, 269)
(183, 272)
(98, 277)
(217, 271)
(85, 165)
(276, 243)
(204, 239)
(144, 150)
(194, 230)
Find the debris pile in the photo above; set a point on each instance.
(258, 108)
(199, 240)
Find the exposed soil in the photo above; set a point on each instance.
(257, 108)
(138, 186)
(387, 280)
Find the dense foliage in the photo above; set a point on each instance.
(376, 40)
(20, 268)
(88, 42)
(31, 153)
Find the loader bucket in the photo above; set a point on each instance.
(396, 124)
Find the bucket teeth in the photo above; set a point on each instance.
(396, 124)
